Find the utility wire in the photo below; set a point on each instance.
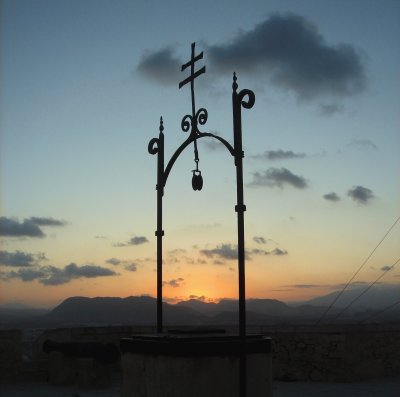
(366, 289)
(379, 312)
(355, 274)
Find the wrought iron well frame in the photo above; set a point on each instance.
(244, 98)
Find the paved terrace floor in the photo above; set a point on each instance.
(373, 388)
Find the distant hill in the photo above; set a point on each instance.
(135, 310)
(261, 306)
(377, 297)
(142, 310)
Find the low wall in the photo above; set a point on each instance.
(323, 353)
(10, 353)
(335, 353)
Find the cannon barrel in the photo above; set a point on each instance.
(105, 353)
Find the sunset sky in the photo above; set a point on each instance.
(83, 86)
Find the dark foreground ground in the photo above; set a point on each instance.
(373, 388)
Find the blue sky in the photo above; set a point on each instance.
(84, 84)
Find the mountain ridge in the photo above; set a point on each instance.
(142, 310)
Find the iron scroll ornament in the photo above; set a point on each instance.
(238, 101)
(190, 122)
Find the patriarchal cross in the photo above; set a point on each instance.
(192, 76)
(197, 180)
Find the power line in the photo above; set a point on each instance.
(366, 289)
(355, 274)
(380, 312)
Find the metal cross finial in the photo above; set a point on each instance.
(193, 75)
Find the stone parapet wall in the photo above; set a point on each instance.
(10, 353)
(322, 353)
(335, 353)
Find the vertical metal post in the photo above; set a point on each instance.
(240, 208)
(160, 232)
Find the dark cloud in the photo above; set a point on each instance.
(24, 274)
(294, 55)
(51, 275)
(132, 267)
(386, 268)
(259, 240)
(360, 194)
(229, 252)
(12, 228)
(331, 196)
(113, 261)
(224, 251)
(40, 221)
(73, 271)
(279, 155)
(278, 252)
(328, 109)
(18, 259)
(161, 66)
(174, 283)
(138, 240)
(278, 177)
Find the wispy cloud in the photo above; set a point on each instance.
(259, 240)
(41, 221)
(302, 286)
(278, 177)
(138, 240)
(360, 194)
(174, 283)
(328, 109)
(278, 154)
(363, 144)
(132, 267)
(275, 251)
(113, 261)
